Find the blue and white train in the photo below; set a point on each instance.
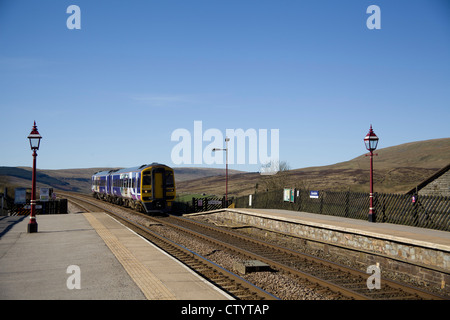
(148, 188)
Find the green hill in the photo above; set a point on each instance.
(396, 169)
(79, 180)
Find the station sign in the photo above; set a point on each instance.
(314, 194)
(289, 195)
(37, 206)
(20, 196)
(44, 194)
(286, 194)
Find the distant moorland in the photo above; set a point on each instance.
(79, 180)
(396, 170)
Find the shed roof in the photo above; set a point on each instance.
(429, 179)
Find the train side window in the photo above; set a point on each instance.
(169, 179)
(147, 180)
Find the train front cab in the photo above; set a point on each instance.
(158, 189)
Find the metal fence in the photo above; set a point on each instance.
(58, 206)
(208, 203)
(201, 204)
(420, 211)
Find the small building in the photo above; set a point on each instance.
(436, 185)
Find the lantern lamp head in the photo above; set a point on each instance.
(35, 138)
(371, 140)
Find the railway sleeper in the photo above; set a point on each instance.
(200, 268)
(248, 297)
(237, 291)
(315, 266)
(409, 297)
(218, 278)
(229, 288)
(392, 295)
(352, 285)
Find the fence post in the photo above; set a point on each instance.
(347, 201)
(301, 201)
(321, 201)
(375, 205)
(415, 204)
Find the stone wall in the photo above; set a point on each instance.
(438, 187)
(428, 265)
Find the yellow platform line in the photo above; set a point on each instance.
(150, 285)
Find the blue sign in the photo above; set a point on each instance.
(20, 196)
(314, 194)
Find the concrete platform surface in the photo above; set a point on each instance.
(95, 252)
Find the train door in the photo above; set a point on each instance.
(158, 183)
(108, 184)
(146, 192)
(138, 183)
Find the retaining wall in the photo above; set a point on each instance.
(427, 263)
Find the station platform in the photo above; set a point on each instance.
(85, 256)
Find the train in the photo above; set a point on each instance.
(146, 188)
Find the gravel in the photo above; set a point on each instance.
(284, 286)
(281, 285)
(299, 245)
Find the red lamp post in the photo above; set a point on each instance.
(371, 141)
(35, 141)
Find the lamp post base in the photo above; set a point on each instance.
(372, 217)
(32, 228)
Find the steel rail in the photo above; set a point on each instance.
(390, 285)
(276, 265)
(333, 285)
(309, 278)
(228, 281)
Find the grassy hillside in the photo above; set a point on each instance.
(396, 169)
(184, 174)
(429, 154)
(79, 179)
(68, 180)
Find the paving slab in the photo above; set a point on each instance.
(110, 261)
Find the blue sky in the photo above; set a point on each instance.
(112, 93)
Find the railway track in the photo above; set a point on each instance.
(224, 279)
(342, 280)
(334, 280)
